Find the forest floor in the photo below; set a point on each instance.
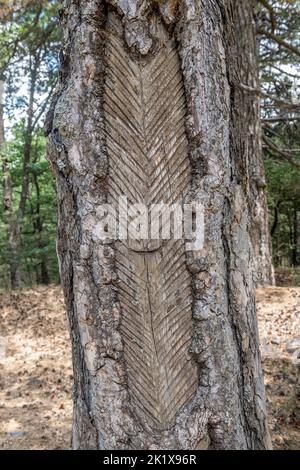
(36, 372)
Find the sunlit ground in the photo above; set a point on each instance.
(36, 373)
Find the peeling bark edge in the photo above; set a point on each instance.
(225, 340)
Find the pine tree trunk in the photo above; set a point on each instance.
(252, 147)
(42, 270)
(16, 219)
(165, 340)
(295, 236)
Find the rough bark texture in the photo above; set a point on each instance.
(109, 45)
(249, 118)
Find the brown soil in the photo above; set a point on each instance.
(36, 372)
(279, 327)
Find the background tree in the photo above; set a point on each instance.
(278, 25)
(28, 58)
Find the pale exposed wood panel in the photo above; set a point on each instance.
(147, 146)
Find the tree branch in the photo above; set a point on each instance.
(43, 107)
(281, 119)
(281, 153)
(279, 41)
(259, 92)
(271, 11)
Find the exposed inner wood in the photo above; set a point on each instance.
(144, 106)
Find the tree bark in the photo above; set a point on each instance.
(276, 218)
(252, 147)
(150, 106)
(42, 270)
(294, 256)
(34, 63)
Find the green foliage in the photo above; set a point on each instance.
(279, 25)
(29, 45)
(283, 198)
(38, 227)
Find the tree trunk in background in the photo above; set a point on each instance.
(42, 271)
(15, 235)
(8, 207)
(165, 340)
(252, 147)
(295, 236)
(34, 65)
